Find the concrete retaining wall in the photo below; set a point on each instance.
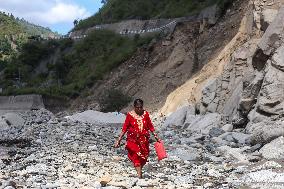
(21, 102)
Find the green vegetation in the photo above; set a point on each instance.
(77, 65)
(9, 26)
(14, 32)
(16, 26)
(114, 100)
(117, 10)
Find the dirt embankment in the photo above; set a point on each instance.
(154, 72)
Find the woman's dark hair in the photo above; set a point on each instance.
(138, 101)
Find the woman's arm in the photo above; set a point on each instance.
(151, 127)
(123, 131)
(117, 143)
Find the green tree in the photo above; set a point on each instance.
(75, 22)
(5, 46)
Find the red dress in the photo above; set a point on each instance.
(137, 145)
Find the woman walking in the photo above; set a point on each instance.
(137, 125)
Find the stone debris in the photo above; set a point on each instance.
(48, 154)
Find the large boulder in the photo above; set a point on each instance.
(251, 89)
(267, 178)
(241, 138)
(179, 117)
(231, 105)
(233, 153)
(209, 99)
(278, 58)
(236, 137)
(266, 18)
(273, 37)
(265, 131)
(203, 124)
(3, 125)
(14, 119)
(256, 117)
(271, 97)
(209, 92)
(189, 153)
(270, 41)
(273, 150)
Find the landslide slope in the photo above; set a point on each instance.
(158, 69)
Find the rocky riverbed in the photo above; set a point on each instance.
(42, 150)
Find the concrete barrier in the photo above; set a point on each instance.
(21, 102)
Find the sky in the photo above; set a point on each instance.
(58, 15)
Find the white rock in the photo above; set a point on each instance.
(183, 180)
(241, 137)
(274, 149)
(14, 119)
(189, 154)
(235, 153)
(3, 125)
(39, 168)
(178, 117)
(269, 165)
(264, 176)
(264, 132)
(204, 123)
(228, 127)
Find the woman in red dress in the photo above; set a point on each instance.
(137, 125)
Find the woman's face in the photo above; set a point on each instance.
(138, 108)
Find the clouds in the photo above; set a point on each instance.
(45, 12)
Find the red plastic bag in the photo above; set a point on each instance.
(160, 150)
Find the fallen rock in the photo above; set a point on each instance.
(278, 59)
(203, 124)
(3, 125)
(274, 149)
(263, 176)
(180, 116)
(189, 154)
(271, 40)
(241, 138)
(14, 119)
(266, 131)
(271, 97)
(267, 17)
(227, 128)
(235, 153)
(215, 131)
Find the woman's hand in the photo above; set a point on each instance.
(117, 143)
(156, 137)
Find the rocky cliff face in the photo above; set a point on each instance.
(247, 76)
(250, 91)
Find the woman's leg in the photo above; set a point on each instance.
(139, 171)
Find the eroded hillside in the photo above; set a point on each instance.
(158, 69)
